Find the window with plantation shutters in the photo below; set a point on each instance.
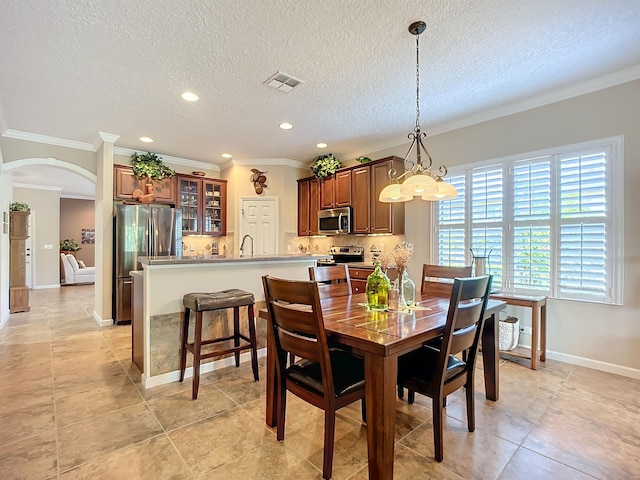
(549, 223)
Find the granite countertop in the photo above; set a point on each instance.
(208, 259)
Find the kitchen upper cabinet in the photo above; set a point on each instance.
(385, 217)
(335, 191)
(369, 214)
(203, 203)
(308, 206)
(361, 191)
(125, 182)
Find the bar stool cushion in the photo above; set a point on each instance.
(233, 297)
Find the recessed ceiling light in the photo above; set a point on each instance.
(190, 96)
(321, 145)
(146, 139)
(227, 155)
(286, 126)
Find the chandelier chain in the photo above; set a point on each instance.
(417, 81)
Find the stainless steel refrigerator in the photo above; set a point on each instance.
(140, 231)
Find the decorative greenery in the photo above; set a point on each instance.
(149, 165)
(69, 244)
(18, 207)
(363, 159)
(325, 165)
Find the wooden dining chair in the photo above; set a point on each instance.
(438, 287)
(333, 281)
(438, 372)
(329, 378)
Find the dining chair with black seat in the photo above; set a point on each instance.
(431, 284)
(326, 377)
(333, 281)
(438, 287)
(438, 372)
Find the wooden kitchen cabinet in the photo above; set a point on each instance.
(18, 291)
(370, 215)
(359, 278)
(335, 191)
(125, 182)
(308, 206)
(203, 202)
(361, 194)
(385, 217)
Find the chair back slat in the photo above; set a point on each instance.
(333, 281)
(296, 319)
(438, 287)
(465, 320)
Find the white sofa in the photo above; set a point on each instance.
(73, 274)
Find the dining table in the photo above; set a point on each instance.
(380, 337)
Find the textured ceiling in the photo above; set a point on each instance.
(72, 68)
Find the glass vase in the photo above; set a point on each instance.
(402, 304)
(407, 289)
(378, 289)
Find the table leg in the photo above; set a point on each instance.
(271, 379)
(380, 395)
(534, 336)
(543, 332)
(491, 357)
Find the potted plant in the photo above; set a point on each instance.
(150, 166)
(69, 245)
(325, 165)
(19, 207)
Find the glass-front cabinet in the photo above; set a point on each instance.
(203, 204)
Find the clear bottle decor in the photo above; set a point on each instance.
(378, 289)
(407, 289)
(399, 284)
(394, 295)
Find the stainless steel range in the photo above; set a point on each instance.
(346, 254)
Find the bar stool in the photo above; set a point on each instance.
(205, 302)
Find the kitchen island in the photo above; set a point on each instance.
(157, 304)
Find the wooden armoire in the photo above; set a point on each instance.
(18, 291)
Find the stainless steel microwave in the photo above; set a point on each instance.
(334, 221)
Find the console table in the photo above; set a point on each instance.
(538, 306)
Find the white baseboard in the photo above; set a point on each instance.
(150, 382)
(44, 287)
(5, 318)
(595, 364)
(102, 323)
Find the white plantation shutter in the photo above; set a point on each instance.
(550, 222)
(451, 235)
(583, 225)
(531, 262)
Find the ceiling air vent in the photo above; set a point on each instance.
(283, 82)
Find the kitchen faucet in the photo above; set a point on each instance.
(242, 245)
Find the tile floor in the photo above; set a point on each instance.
(72, 407)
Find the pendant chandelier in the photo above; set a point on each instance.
(420, 179)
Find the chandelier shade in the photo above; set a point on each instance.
(420, 180)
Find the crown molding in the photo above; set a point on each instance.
(36, 137)
(37, 187)
(127, 152)
(287, 162)
(72, 196)
(104, 138)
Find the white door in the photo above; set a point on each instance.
(259, 218)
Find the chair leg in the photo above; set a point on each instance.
(364, 411)
(184, 334)
(411, 397)
(197, 347)
(400, 392)
(438, 437)
(281, 405)
(254, 343)
(471, 411)
(329, 436)
(236, 333)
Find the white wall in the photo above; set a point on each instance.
(603, 336)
